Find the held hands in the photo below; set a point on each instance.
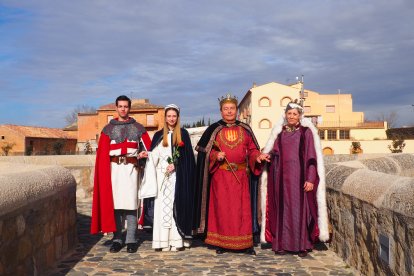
(142, 154)
(308, 186)
(263, 157)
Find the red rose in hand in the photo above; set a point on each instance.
(181, 144)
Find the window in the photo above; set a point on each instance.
(344, 134)
(110, 117)
(331, 134)
(265, 123)
(264, 101)
(284, 101)
(2, 137)
(307, 109)
(322, 134)
(150, 119)
(330, 109)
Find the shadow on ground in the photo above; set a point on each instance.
(91, 257)
(86, 242)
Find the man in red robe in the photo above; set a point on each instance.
(226, 152)
(115, 194)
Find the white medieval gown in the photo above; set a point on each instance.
(165, 233)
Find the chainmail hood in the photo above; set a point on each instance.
(122, 130)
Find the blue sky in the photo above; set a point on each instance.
(57, 55)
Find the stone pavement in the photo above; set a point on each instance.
(92, 257)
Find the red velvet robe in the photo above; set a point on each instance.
(229, 215)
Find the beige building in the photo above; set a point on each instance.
(333, 114)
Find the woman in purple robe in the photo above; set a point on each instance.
(294, 194)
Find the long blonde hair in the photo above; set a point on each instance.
(176, 135)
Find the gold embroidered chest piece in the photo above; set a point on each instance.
(231, 137)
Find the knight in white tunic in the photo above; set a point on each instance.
(122, 142)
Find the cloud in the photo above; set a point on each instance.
(57, 55)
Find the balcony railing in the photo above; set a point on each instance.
(350, 124)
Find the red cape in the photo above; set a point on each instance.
(103, 219)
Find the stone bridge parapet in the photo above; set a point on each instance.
(82, 167)
(371, 206)
(37, 217)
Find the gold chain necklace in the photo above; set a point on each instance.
(291, 128)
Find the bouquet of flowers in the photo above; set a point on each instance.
(172, 160)
(176, 154)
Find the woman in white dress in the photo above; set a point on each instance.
(170, 168)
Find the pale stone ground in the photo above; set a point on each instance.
(92, 257)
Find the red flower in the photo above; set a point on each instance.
(181, 144)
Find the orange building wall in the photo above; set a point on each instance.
(40, 145)
(45, 146)
(11, 136)
(87, 127)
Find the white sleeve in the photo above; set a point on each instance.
(149, 185)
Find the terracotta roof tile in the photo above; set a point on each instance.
(71, 127)
(41, 132)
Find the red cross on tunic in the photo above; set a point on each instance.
(124, 146)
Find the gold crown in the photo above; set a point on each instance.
(228, 99)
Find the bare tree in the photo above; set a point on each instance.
(390, 117)
(7, 147)
(397, 145)
(58, 146)
(72, 117)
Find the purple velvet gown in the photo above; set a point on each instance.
(292, 213)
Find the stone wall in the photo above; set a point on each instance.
(82, 168)
(37, 217)
(371, 202)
